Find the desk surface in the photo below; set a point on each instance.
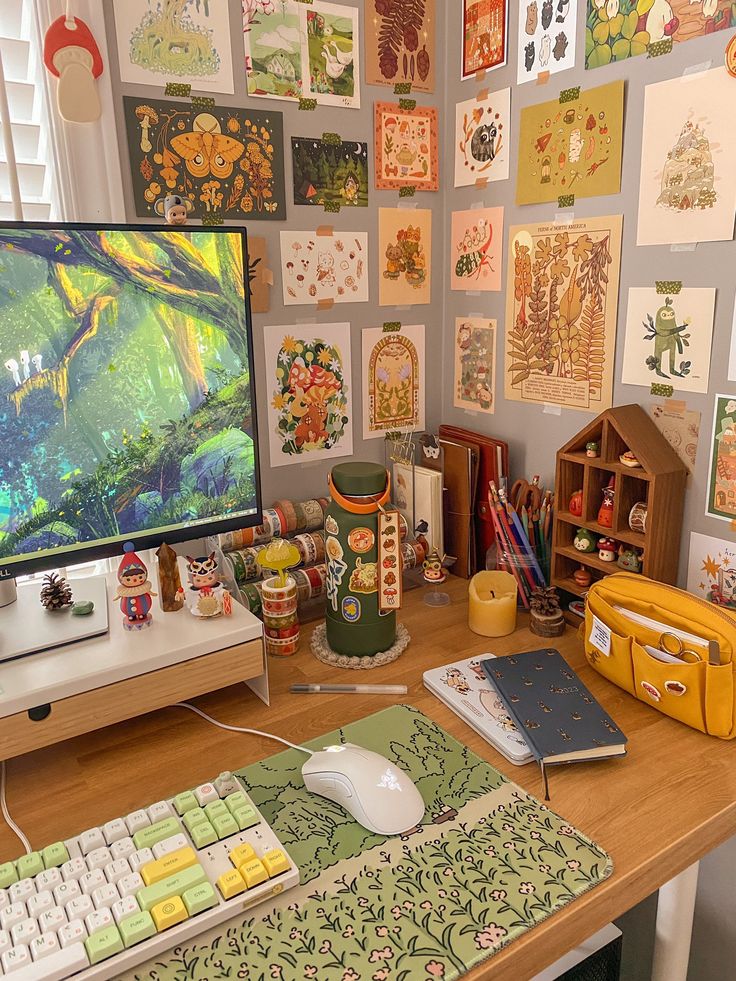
(671, 800)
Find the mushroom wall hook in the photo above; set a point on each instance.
(70, 53)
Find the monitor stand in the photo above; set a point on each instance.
(26, 628)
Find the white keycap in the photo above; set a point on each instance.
(5, 942)
(105, 896)
(72, 846)
(73, 869)
(66, 891)
(226, 784)
(137, 820)
(44, 946)
(25, 931)
(160, 810)
(16, 958)
(20, 891)
(48, 880)
(114, 830)
(117, 870)
(39, 903)
(52, 919)
(98, 920)
(55, 967)
(15, 913)
(142, 857)
(92, 880)
(206, 793)
(122, 848)
(4, 898)
(98, 858)
(91, 839)
(73, 932)
(130, 885)
(78, 908)
(125, 907)
(172, 844)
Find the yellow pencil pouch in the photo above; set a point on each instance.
(666, 647)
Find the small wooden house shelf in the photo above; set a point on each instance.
(659, 481)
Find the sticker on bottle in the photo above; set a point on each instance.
(600, 637)
(361, 540)
(351, 609)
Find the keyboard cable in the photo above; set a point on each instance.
(6, 813)
(252, 732)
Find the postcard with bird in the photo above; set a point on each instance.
(482, 138)
(323, 268)
(476, 249)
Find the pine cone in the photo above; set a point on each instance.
(56, 592)
(423, 63)
(389, 64)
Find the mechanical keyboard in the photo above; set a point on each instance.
(100, 903)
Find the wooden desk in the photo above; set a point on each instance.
(657, 811)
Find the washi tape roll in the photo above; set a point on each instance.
(324, 503)
(311, 548)
(314, 517)
(301, 517)
(278, 519)
(251, 599)
(230, 540)
(288, 509)
(280, 616)
(403, 528)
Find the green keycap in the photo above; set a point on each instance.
(147, 837)
(200, 898)
(8, 875)
(225, 825)
(103, 944)
(203, 834)
(139, 926)
(215, 808)
(173, 885)
(246, 816)
(192, 818)
(29, 865)
(185, 802)
(55, 855)
(238, 799)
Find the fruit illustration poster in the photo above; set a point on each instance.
(571, 145)
(546, 41)
(309, 389)
(485, 35)
(400, 43)
(406, 149)
(483, 138)
(324, 268)
(669, 337)
(711, 570)
(405, 256)
(329, 173)
(393, 380)
(721, 501)
(475, 364)
(175, 40)
(687, 191)
(228, 162)
(475, 249)
(562, 300)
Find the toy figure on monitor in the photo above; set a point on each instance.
(207, 597)
(174, 208)
(134, 592)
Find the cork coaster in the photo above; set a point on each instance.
(324, 653)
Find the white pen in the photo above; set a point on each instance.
(356, 689)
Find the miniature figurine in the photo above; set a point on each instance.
(629, 460)
(576, 504)
(174, 208)
(607, 550)
(582, 577)
(134, 592)
(433, 572)
(208, 597)
(605, 512)
(591, 448)
(585, 541)
(171, 593)
(629, 559)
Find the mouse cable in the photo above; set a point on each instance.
(252, 732)
(6, 813)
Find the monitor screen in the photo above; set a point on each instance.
(127, 406)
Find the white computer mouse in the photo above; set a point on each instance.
(378, 794)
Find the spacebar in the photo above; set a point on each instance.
(55, 967)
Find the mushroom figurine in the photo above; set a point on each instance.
(70, 53)
(147, 116)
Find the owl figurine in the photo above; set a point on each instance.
(207, 597)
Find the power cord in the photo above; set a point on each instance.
(6, 813)
(252, 732)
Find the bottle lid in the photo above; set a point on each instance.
(359, 479)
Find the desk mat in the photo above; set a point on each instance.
(488, 863)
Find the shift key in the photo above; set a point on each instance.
(173, 885)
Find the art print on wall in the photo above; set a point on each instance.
(546, 40)
(721, 502)
(562, 299)
(260, 277)
(400, 43)
(680, 426)
(393, 380)
(482, 139)
(175, 40)
(475, 364)
(475, 249)
(329, 173)
(686, 189)
(485, 36)
(732, 353)
(405, 256)
(711, 570)
(406, 148)
(310, 396)
(668, 338)
(324, 268)
(228, 162)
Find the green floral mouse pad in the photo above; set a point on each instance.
(488, 863)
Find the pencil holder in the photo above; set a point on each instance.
(280, 617)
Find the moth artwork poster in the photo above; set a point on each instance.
(229, 163)
(546, 39)
(669, 337)
(562, 300)
(571, 145)
(711, 570)
(393, 380)
(310, 397)
(485, 36)
(475, 364)
(324, 269)
(405, 256)
(476, 249)
(400, 43)
(329, 173)
(686, 189)
(406, 148)
(482, 139)
(721, 500)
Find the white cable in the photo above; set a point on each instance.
(6, 813)
(252, 732)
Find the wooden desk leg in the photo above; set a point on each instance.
(675, 910)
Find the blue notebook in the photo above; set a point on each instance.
(559, 718)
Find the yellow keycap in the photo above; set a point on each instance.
(253, 872)
(169, 913)
(241, 855)
(230, 884)
(275, 862)
(176, 861)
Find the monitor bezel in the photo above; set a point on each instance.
(62, 557)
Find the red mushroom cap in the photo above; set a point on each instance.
(60, 36)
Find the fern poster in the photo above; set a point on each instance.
(561, 312)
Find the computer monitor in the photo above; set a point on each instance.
(127, 401)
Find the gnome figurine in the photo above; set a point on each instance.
(134, 592)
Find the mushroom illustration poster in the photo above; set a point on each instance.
(309, 393)
(483, 138)
(475, 364)
(668, 338)
(329, 173)
(562, 300)
(393, 380)
(406, 148)
(400, 43)
(680, 426)
(546, 40)
(485, 35)
(475, 249)
(228, 162)
(571, 145)
(405, 256)
(711, 570)
(175, 40)
(324, 268)
(686, 189)
(722, 471)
